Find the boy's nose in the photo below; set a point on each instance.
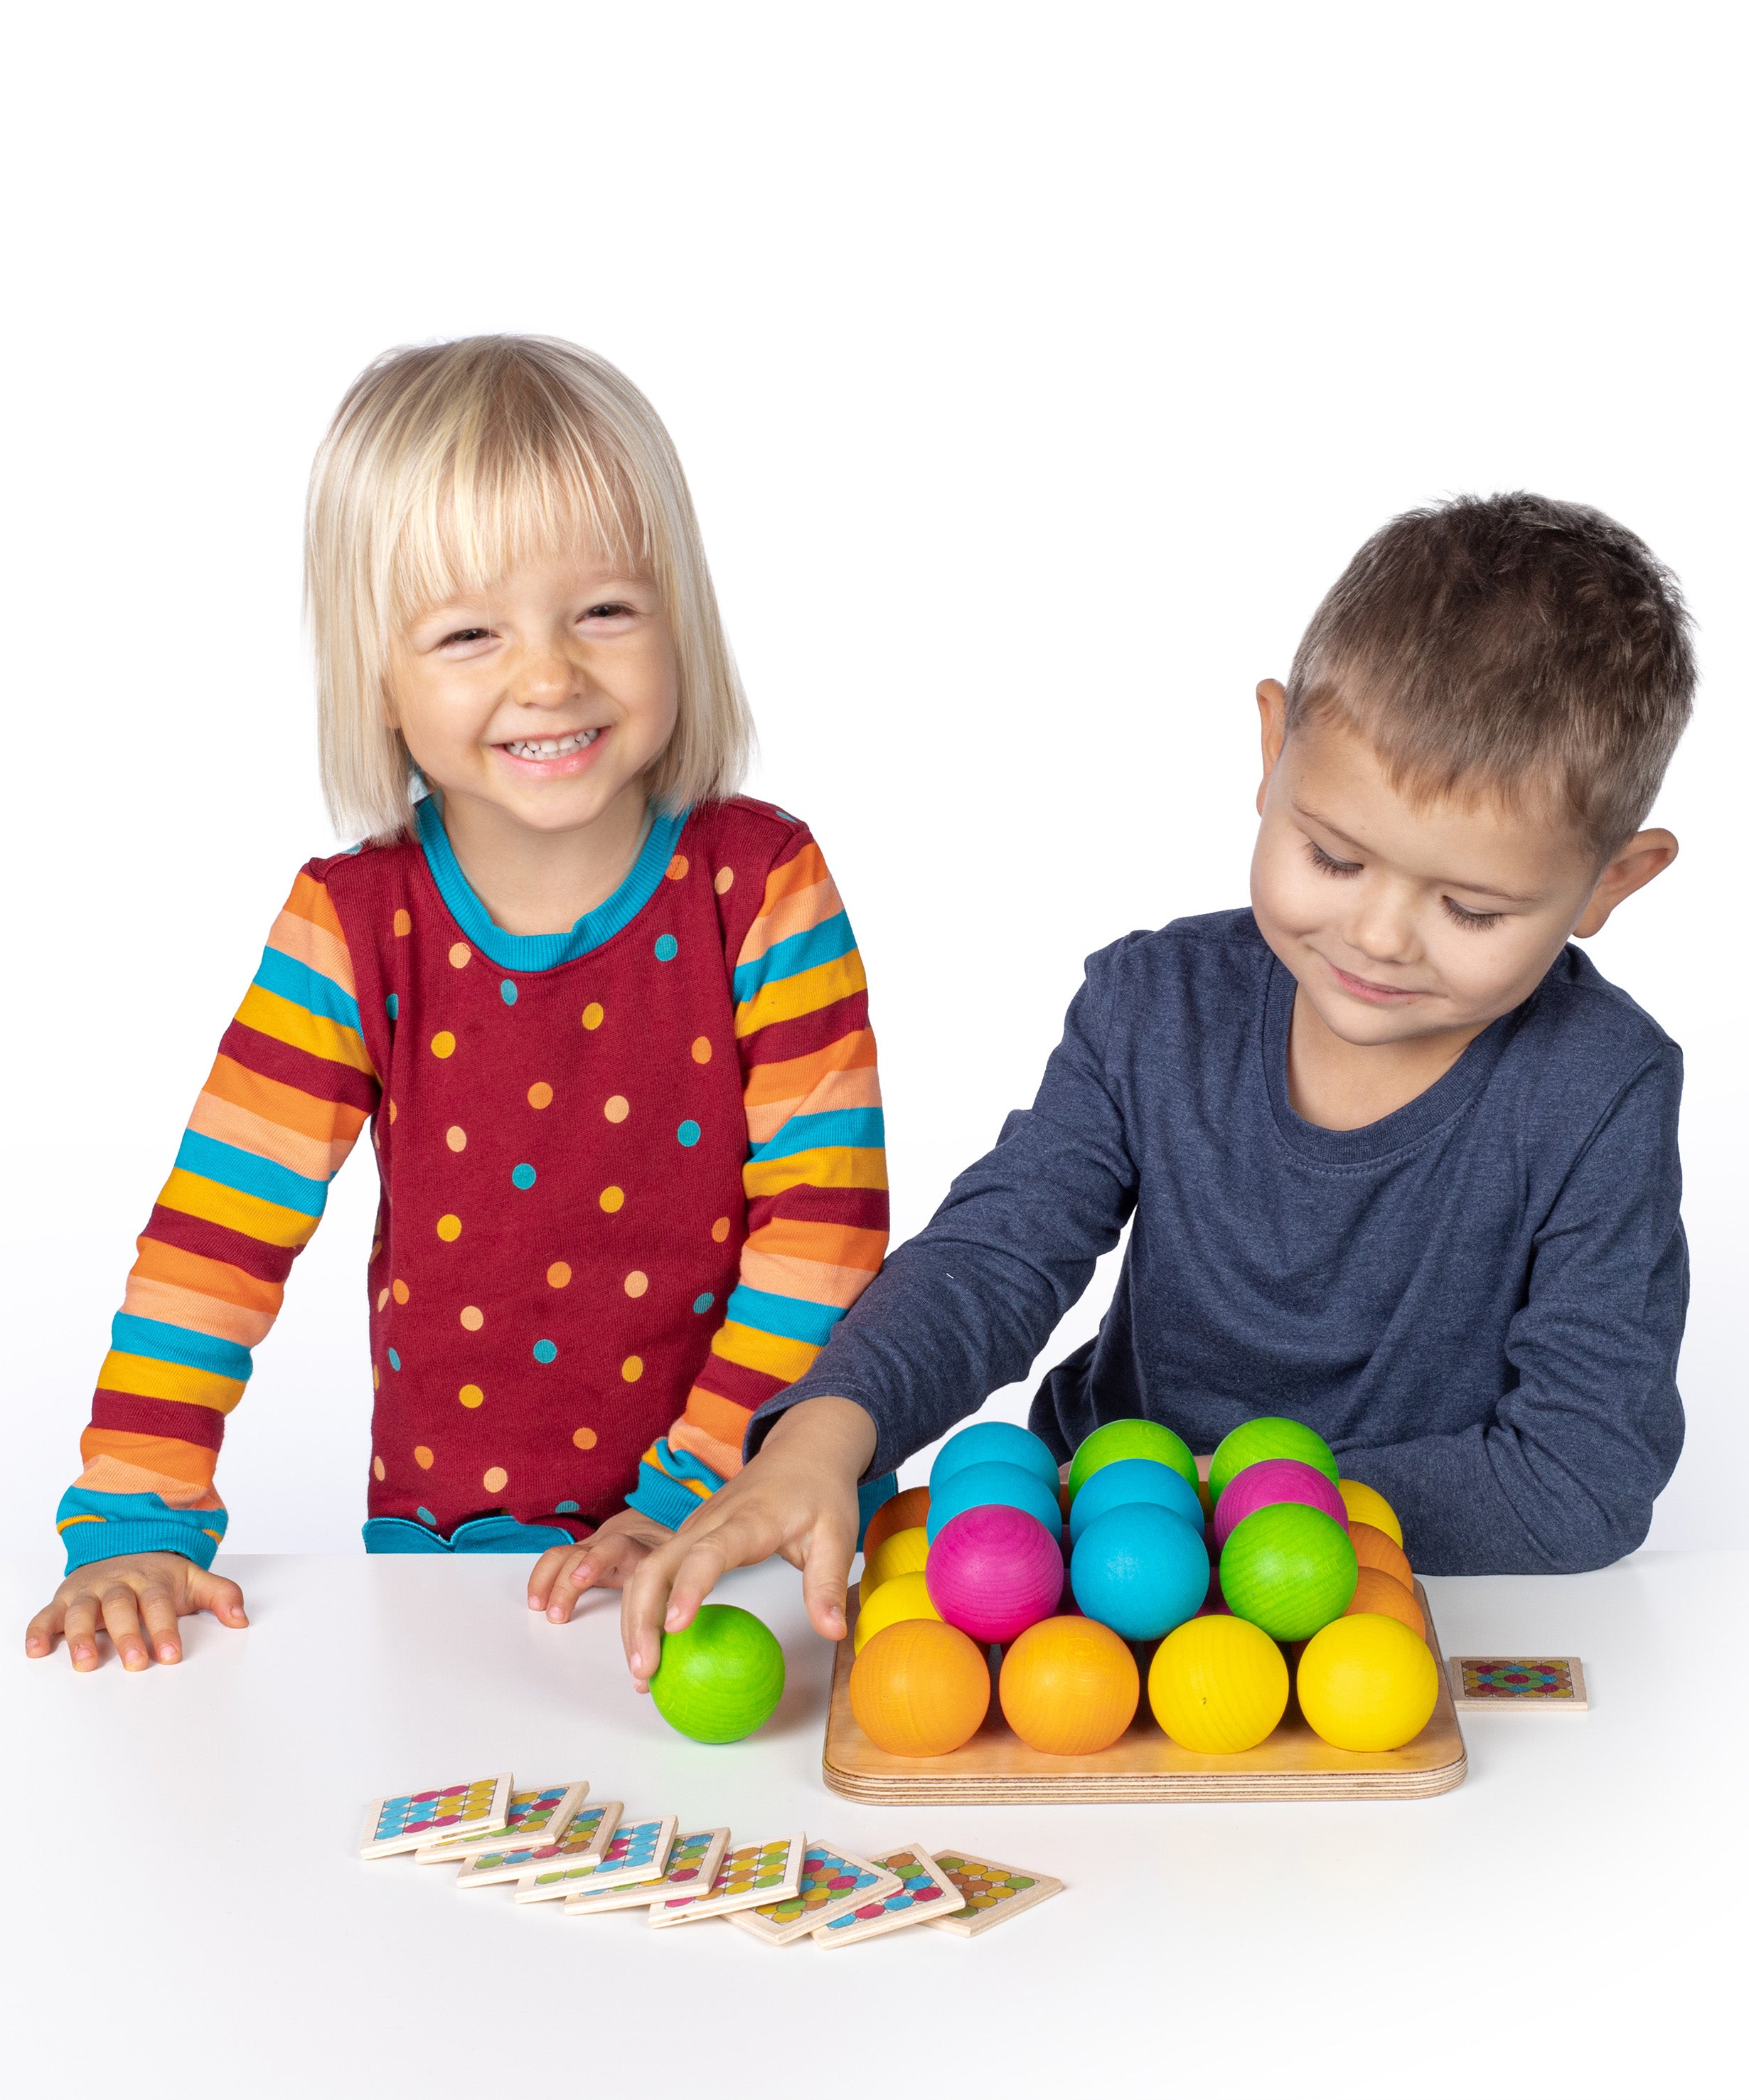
(1381, 927)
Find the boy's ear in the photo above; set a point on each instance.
(1646, 855)
(1272, 709)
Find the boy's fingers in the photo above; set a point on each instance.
(158, 1609)
(825, 1577)
(644, 1604)
(122, 1622)
(545, 1573)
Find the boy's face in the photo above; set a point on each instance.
(1401, 918)
(544, 698)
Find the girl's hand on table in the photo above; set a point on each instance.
(605, 1560)
(798, 1498)
(136, 1599)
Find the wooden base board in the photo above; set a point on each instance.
(1144, 1764)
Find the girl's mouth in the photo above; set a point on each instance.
(537, 748)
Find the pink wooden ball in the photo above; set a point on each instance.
(1275, 1480)
(993, 1572)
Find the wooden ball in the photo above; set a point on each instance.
(1374, 1548)
(1377, 1591)
(1366, 1505)
(1267, 1436)
(1068, 1686)
(900, 1553)
(899, 1512)
(1367, 1684)
(1275, 1480)
(905, 1597)
(985, 1443)
(993, 1572)
(1130, 1437)
(1218, 1685)
(920, 1688)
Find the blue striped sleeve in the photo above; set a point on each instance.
(797, 1319)
(859, 1130)
(250, 1175)
(166, 1344)
(291, 979)
(824, 943)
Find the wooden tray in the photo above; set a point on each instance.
(1145, 1764)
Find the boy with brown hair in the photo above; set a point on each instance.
(1398, 1161)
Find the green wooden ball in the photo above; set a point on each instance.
(1269, 1436)
(721, 1678)
(1289, 1569)
(1129, 1438)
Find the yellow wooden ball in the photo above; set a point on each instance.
(900, 1553)
(905, 1597)
(1366, 1505)
(1367, 1684)
(1218, 1684)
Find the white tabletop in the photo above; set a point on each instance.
(188, 1910)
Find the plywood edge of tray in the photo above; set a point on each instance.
(1340, 1780)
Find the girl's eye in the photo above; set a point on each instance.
(612, 611)
(1476, 921)
(466, 634)
(1328, 863)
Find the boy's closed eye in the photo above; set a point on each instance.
(1460, 914)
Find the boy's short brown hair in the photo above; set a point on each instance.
(1508, 645)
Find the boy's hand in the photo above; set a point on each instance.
(798, 1498)
(605, 1560)
(136, 1599)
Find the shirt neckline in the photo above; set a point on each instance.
(546, 951)
(1448, 1095)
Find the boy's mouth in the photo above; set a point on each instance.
(1375, 995)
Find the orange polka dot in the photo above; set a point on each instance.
(584, 1439)
(677, 868)
(636, 1284)
(593, 1014)
(493, 1479)
(379, 1469)
(422, 1456)
(559, 1275)
(382, 1298)
(443, 1043)
(449, 1226)
(470, 1396)
(701, 1050)
(455, 1138)
(720, 1231)
(632, 1370)
(461, 956)
(616, 1107)
(540, 1095)
(403, 922)
(611, 1199)
(725, 882)
(393, 1111)
(377, 1378)
(402, 1294)
(472, 1318)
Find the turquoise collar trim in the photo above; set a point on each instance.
(546, 951)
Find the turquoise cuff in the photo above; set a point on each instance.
(97, 1527)
(480, 1534)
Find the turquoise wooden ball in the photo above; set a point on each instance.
(721, 1678)
(995, 1482)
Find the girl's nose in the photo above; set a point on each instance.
(544, 679)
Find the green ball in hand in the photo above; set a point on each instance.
(721, 1678)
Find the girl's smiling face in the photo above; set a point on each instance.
(542, 700)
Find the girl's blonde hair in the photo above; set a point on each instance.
(446, 467)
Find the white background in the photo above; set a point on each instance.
(1035, 369)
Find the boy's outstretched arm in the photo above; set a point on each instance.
(797, 1499)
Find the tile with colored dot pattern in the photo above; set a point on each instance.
(403, 1822)
(638, 1854)
(546, 1809)
(991, 1892)
(1518, 1684)
(591, 1833)
(693, 1861)
(833, 1881)
(749, 1875)
(924, 1891)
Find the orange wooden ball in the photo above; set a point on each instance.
(1377, 1591)
(1068, 1686)
(1374, 1548)
(920, 1688)
(899, 1512)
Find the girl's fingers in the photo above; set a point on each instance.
(216, 1593)
(122, 1622)
(158, 1609)
(41, 1634)
(82, 1631)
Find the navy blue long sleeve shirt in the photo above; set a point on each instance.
(1478, 1300)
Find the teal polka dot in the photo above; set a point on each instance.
(688, 1132)
(523, 1175)
(507, 992)
(425, 1515)
(704, 1301)
(545, 1352)
(394, 1360)
(392, 1006)
(566, 1509)
(666, 947)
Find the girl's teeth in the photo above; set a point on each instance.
(549, 747)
